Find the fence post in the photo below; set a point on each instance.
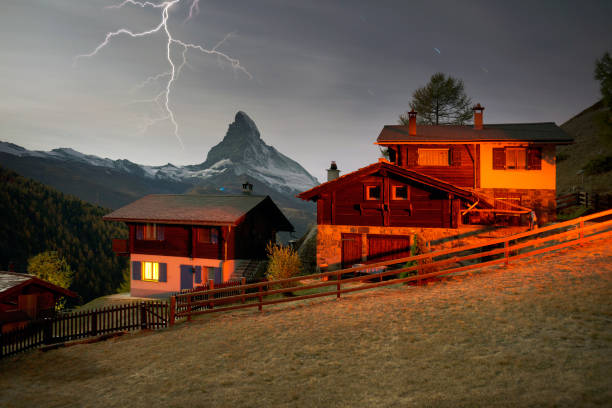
(143, 315)
(506, 254)
(47, 331)
(242, 291)
(188, 307)
(211, 286)
(581, 229)
(94, 323)
(260, 299)
(419, 272)
(172, 314)
(338, 277)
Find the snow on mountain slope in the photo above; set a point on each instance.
(242, 152)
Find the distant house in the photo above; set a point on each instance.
(26, 297)
(178, 241)
(438, 179)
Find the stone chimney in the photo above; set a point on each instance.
(247, 188)
(412, 122)
(478, 116)
(333, 172)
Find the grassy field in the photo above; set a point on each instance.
(538, 333)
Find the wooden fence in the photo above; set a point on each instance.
(595, 201)
(409, 269)
(87, 323)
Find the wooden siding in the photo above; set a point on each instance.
(426, 206)
(387, 247)
(463, 159)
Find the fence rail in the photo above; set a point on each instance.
(87, 323)
(418, 268)
(595, 201)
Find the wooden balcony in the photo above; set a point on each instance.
(121, 247)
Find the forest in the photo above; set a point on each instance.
(35, 218)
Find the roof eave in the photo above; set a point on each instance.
(170, 221)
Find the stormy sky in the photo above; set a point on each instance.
(326, 75)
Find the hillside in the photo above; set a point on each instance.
(536, 333)
(592, 134)
(35, 218)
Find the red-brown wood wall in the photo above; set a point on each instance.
(426, 206)
(463, 163)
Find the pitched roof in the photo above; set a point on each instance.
(392, 168)
(532, 132)
(11, 282)
(193, 209)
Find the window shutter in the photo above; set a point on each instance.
(160, 232)
(412, 156)
(198, 274)
(163, 272)
(456, 157)
(534, 158)
(140, 232)
(136, 270)
(499, 158)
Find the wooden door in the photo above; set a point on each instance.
(387, 247)
(351, 249)
(186, 277)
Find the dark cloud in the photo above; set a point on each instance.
(327, 74)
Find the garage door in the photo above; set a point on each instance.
(387, 247)
(351, 250)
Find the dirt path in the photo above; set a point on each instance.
(536, 333)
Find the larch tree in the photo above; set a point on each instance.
(442, 101)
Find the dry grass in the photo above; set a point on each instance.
(538, 333)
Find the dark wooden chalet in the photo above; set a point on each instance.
(25, 297)
(178, 241)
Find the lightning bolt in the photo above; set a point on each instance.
(162, 99)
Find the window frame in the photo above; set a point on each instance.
(152, 274)
(394, 195)
(514, 152)
(368, 196)
(149, 232)
(207, 235)
(421, 155)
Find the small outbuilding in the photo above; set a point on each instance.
(25, 297)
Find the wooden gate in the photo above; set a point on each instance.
(387, 247)
(351, 249)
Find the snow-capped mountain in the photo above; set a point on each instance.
(242, 152)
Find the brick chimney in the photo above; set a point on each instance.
(478, 116)
(333, 172)
(412, 122)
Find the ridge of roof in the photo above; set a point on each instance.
(420, 177)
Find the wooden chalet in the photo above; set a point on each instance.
(25, 297)
(177, 242)
(440, 181)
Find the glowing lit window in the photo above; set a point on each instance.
(372, 192)
(433, 157)
(150, 271)
(516, 158)
(399, 192)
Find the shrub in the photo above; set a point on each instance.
(598, 165)
(51, 267)
(283, 263)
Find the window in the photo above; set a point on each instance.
(207, 235)
(150, 232)
(372, 192)
(399, 192)
(516, 158)
(150, 271)
(433, 157)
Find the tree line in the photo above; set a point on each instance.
(35, 218)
